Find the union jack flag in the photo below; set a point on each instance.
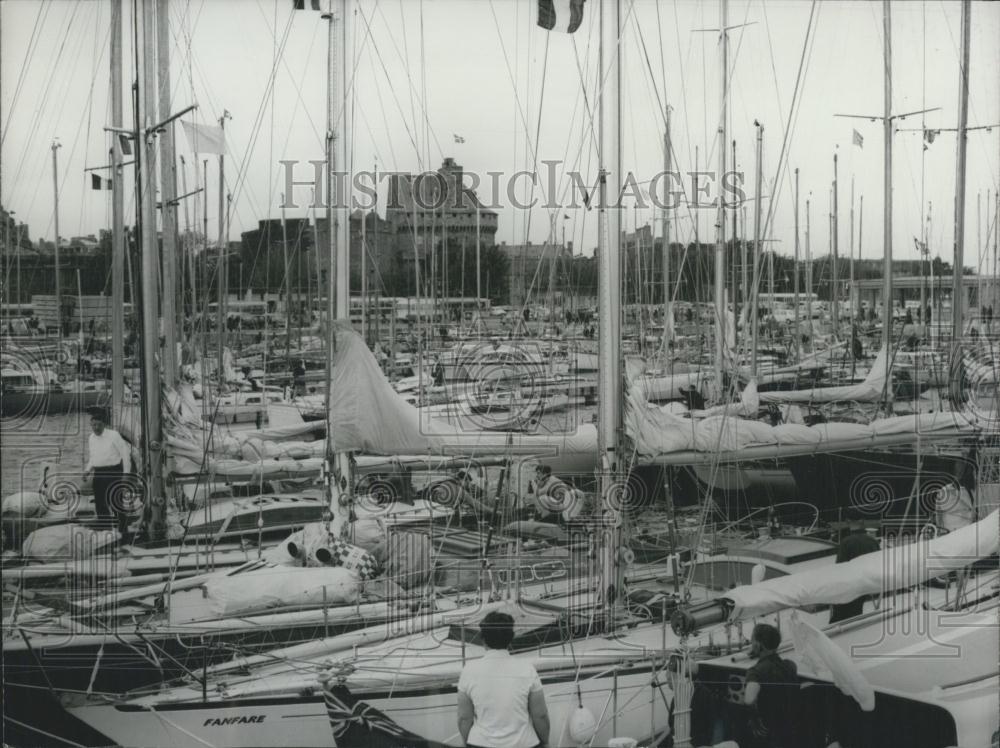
(355, 723)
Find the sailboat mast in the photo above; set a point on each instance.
(609, 294)
(796, 337)
(835, 240)
(222, 268)
(720, 238)
(117, 216)
(667, 302)
(850, 262)
(861, 225)
(55, 200)
(887, 176)
(479, 269)
(957, 292)
(288, 282)
(809, 276)
(754, 301)
(155, 507)
(168, 197)
(338, 305)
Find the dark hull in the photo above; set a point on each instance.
(27, 405)
(875, 484)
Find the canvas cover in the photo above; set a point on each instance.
(894, 568)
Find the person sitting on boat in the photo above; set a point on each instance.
(856, 543)
(555, 499)
(110, 460)
(772, 689)
(501, 703)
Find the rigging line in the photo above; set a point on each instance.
(29, 54)
(424, 100)
(534, 169)
(406, 66)
(412, 133)
(385, 120)
(78, 130)
(34, 125)
(90, 111)
(243, 168)
(661, 109)
(972, 106)
(786, 137)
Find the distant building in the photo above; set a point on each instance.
(435, 209)
(535, 269)
(15, 237)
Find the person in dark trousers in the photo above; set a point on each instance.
(110, 460)
(772, 688)
(501, 703)
(857, 543)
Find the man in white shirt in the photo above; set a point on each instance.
(501, 703)
(109, 461)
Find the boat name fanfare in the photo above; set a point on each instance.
(243, 720)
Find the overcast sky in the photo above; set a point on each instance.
(427, 70)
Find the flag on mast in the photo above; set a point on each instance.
(458, 138)
(560, 15)
(301, 4)
(97, 182)
(858, 140)
(205, 138)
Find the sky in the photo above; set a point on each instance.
(424, 71)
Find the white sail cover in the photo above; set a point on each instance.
(657, 431)
(368, 415)
(872, 389)
(895, 568)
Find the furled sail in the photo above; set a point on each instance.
(872, 389)
(894, 568)
(368, 415)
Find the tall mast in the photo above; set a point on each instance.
(667, 302)
(479, 269)
(609, 293)
(809, 278)
(150, 277)
(55, 197)
(117, 216)
(222, 268)
(850, 263)
(861, 225)
(957, 290)
(796, 336)
(835, 281)
(338, 305)
(887, 176)
(168, 197)
(754, 302)
(720, 238)
(288, 282)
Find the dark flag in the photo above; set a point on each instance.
(97, 182)
(301, 4)
(355, 723)
(560, 15)
(125, 142)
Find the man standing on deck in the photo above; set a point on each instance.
(772, 688)
(110, 460)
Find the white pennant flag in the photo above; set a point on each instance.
(205, 138)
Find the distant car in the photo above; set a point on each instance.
(498, 312)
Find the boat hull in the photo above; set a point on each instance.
(428, 712)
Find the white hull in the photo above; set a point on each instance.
(428, 713)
